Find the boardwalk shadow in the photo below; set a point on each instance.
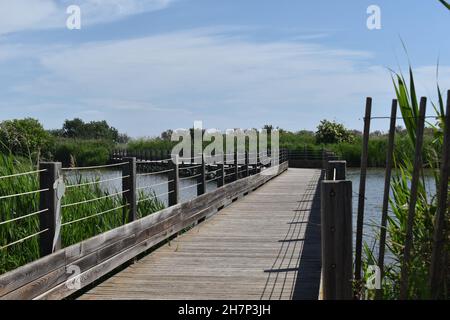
(307, 283)
(296, 272)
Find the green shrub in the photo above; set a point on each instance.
(24, 137)
(332, 132)
(82, 152)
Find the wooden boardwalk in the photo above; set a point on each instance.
(266, 245)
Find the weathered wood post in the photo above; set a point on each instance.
(201, 179)
(129, 190)
(417, 167)
(336, 225)
(174, 182)
(258, 163)
(362, 190)
(436, 268)
(336, 170)
(387, 187)
(50, 207)
(247, 168)
(236, 166)
(221, 175)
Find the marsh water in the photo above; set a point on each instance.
(148, 185)
(374, 199)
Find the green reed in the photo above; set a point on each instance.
(28, 250)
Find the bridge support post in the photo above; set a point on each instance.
(174, 182)
(50, 207)
(129, 189)
(336, 170)
(336, 225)
(201, 180)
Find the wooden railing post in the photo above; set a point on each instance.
(247, 169)
(362, 190)
(129, 189)
(50, 207)
(386, 192)
(258, 168)
(336, 170)
(201, 179)
(221, 175)
(236, 166)
(174, 183)
(417, 167)
(336, 224)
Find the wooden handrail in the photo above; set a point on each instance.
(51, 277)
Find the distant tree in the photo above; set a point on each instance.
(23, 136)
(77, 128)
(377, 133)
(56, 132)
(73, 128)
(166, 135)
(123, 138)
(332, 132)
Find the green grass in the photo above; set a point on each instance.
(425, 208)
(27, 251)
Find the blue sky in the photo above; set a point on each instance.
(149, 65)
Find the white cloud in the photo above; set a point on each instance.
(150, 84)
(19, 15)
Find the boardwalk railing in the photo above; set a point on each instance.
(65, 271)
(310, 158)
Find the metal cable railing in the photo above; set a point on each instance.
(23, 239)
(24, 216)
(94, 167)
(95, 199)
(93, 215)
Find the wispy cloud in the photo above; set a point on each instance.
(149, 84)
(20, 15)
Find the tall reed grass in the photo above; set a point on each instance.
(426, 204)
(28, 250)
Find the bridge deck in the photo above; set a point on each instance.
(265, 245)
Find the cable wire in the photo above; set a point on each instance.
(22, 174)
(96, 199)
(23, 239)
(95, 182)
(95, 167)
(22, 194)
(91, 216)
(23, 217)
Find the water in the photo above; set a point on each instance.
(374, 199)
(149, 184)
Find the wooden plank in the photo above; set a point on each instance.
(129, 239)
(247, 251)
